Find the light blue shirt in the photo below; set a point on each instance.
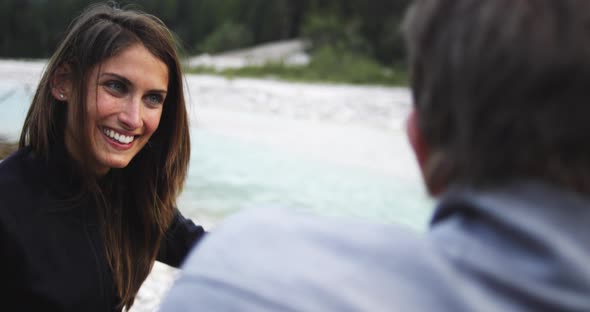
(524, 247)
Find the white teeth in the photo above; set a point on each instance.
(117, 136)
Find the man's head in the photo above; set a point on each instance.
(501, 91)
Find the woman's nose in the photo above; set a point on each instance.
(130, 115)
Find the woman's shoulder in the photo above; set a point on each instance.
(11, 167)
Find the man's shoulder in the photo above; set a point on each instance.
(297, 232)
(313, 263)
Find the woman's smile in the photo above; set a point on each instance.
(117, 138)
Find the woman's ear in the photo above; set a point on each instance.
(61, 83)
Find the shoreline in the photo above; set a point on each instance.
(22, 71)
(7, 148)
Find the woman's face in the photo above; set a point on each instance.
(124, 103)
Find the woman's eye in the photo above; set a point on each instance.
(155, 99)
(116, 86)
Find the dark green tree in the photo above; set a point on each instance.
(32, 28)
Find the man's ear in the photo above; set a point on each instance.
(61, 83)
(426, 157)
(420, 147)
(416, 139)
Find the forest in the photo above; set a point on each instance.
(362, 31)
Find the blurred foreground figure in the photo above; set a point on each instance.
(500, 128)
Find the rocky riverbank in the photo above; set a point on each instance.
(6, 148)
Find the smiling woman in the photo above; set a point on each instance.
(124, 104)
(89, 199)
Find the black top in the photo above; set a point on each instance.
(52, 251)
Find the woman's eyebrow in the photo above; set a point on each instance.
(129, 83)
(122, 78)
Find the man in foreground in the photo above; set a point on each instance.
(501, 131)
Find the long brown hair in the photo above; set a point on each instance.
(136, 204)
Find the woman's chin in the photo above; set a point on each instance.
(105, 166)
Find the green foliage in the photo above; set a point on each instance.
(380, 26)
(228, 36)
(340, 53)
(328, 65)
(391, 43)
(32, 28)
(333, 32)
(349, 66)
